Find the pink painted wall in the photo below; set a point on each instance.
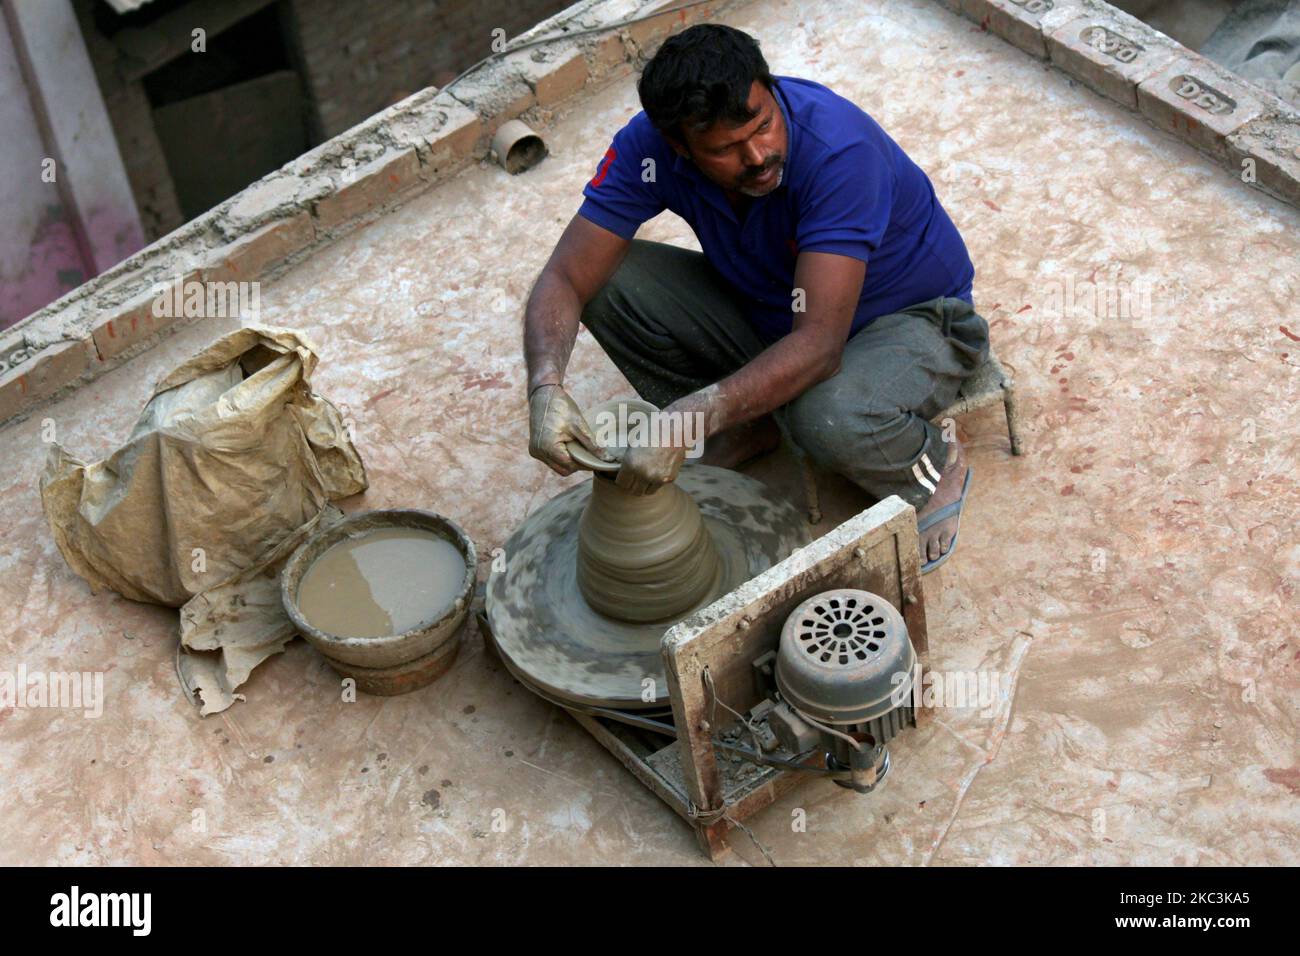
(39, 258)
(54, 235)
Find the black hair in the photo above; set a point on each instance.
(700, 76)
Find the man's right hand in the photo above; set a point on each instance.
(554, 420)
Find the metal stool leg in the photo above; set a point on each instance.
(1012, 408)
(812, 498)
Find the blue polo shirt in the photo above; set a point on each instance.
(847, 188)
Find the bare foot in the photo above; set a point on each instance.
(737, 445)
(936, 540)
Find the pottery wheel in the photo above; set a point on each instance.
(552, 639)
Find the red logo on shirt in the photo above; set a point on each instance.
(604, 167)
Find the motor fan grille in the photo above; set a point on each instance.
(845, 657)
(842, 630)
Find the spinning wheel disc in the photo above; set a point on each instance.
(552, 639)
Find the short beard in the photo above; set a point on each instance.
(780, 177)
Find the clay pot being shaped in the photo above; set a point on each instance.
(644, 558)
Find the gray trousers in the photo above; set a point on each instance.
(673, 325)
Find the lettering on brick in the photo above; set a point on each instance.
(1202, 94)
(17, 357)
(1112, 44)
(1034, 6)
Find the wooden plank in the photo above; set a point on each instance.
(700, 773)
(907, 546)
(142, 50)
(716, 839)
(633, 761)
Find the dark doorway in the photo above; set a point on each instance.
(228, 116)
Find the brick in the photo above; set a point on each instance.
(606, 54)
(497, 92)
(1198, 102)
(1019, 22)
(454, 140)
(1109, 54)
(1273, 142)
(650, 32)
(444, 130)
(556, 78)
(369, 186)
(42, 375)
(14, 349)
(262, 201)
(253, 255)
(118, 328)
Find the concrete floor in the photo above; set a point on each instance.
(1134, 575)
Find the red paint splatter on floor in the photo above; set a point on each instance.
(1288, 333)
(1288, 777)
(378, 396)
(485, 382)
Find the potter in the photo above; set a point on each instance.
(833, 289)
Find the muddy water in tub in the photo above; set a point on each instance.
(380, 583)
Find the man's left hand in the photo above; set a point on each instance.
(648, 469)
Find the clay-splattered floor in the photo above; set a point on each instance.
(1134, 575)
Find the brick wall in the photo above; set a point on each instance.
(357, 60)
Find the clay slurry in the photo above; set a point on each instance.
(384, 582)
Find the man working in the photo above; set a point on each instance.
(832, 285)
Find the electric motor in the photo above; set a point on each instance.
(845, 670)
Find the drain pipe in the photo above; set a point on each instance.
(517, 147)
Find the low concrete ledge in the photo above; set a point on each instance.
(325, 193)
(1108, 50)
(1266, 151)
(1019, 22)
(1248, 130)
(1199, 103)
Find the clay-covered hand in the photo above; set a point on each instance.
(649, 469)
(554, 419)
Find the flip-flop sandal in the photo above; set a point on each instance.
(947, 511)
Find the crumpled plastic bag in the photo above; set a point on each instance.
(232, 463)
